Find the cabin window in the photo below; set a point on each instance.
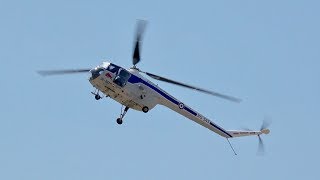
(122, 77)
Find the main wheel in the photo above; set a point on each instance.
(119, 121)
(97, 97)
(145, 109)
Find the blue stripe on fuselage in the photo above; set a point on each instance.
(135, 79)
(190, 111)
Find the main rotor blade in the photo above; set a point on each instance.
(62, 72)
(230, 98)
(141, 25)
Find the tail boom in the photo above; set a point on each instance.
(240, 133)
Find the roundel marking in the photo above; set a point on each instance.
(181, 105)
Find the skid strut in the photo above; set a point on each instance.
(120, 119)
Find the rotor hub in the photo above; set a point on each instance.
(265, 131)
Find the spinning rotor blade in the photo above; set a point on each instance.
(230, 98)
(266, 123)
(264, 129)
(261, 148)
(62, 72)
(141, 25)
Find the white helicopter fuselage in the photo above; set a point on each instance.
(137, 92)
(134, 91)
(132, 95)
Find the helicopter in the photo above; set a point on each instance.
(134, 91)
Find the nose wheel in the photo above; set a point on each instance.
(96, 95)
(120, 119)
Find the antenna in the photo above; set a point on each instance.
(231, 147)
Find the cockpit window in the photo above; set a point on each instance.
(112, 68)
(122, 77)
(96, 72)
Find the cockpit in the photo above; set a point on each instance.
(121, 76)
(96, 72)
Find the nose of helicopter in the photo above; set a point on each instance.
(95, 72)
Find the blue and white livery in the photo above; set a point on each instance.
(134, 91)
(131, 89)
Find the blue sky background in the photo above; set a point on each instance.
(265, 52)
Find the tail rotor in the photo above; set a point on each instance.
(264, 130)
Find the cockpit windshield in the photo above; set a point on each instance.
(122, 77)
(96, 72)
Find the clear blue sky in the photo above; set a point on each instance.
(265, 52)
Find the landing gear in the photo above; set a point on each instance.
(145, 109)
(119, 120)
(96, 95)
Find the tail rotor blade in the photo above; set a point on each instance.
(266, 123)
(264, 130)
(261, 148)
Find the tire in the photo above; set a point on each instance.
(145, 109)
(119, 121)
(97, 97)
